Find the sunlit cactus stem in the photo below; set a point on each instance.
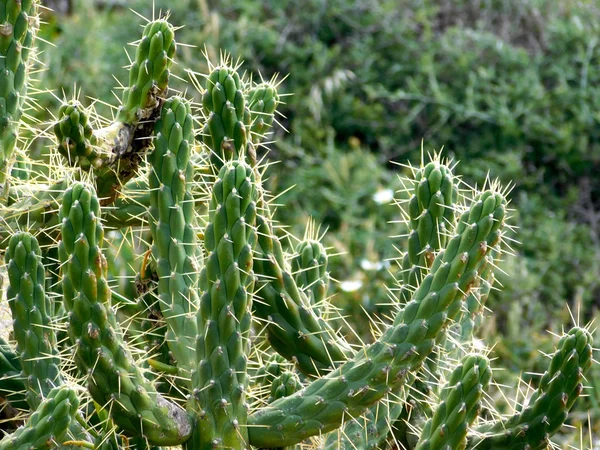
(220, 379)
(18, 27)
(114, 379)
(173, 226)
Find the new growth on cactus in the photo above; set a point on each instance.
(223, 337)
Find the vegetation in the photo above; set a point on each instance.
(366, 89)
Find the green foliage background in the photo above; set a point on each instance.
(508, 88)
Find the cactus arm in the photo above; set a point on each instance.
(113, 377)
(365, 379)
(227, 117)
(220, 379)
(309, 265)
(430, 216)
(547, 410)
(460, 402)
(18, 27)
(149, 73)
(12, 388)
(293, 329)
(263, 101)
(48, 425)
(77, 142)
(173, 227)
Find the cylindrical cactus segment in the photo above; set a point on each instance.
(149, 72)
(220, 380)
(173, 228)
(76, 139)
(18, 26)
(293, 328)
(364, 380)
(460, 402)
(227, 116)
(431, 215)
(549, 405)
(263, 101)
(113, 378)
(309, 265)
(31, 311)
(47, 426)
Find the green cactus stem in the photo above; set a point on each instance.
(149, 73)
(113, 378)
(460, 402)
(263, 101)
(431, 216)
(47, 426)
(76, 139)
(220, 380)
(293, 329)
(22, 167)
(532, 426)
(309, 265)
(227, 117)
(173, 226)
(18, 26)
(403, 347)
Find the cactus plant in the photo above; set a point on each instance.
(217, 295)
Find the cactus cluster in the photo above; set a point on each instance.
(222, 336)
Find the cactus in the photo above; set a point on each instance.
(216, 291)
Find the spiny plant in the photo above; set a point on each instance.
(223, 339)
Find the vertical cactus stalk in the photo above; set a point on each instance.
(460, 402)
(365, 379)
(220, 380)
(114, 379)
(173, 228)
(31, 309)
(547, 410)
(18, 27)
